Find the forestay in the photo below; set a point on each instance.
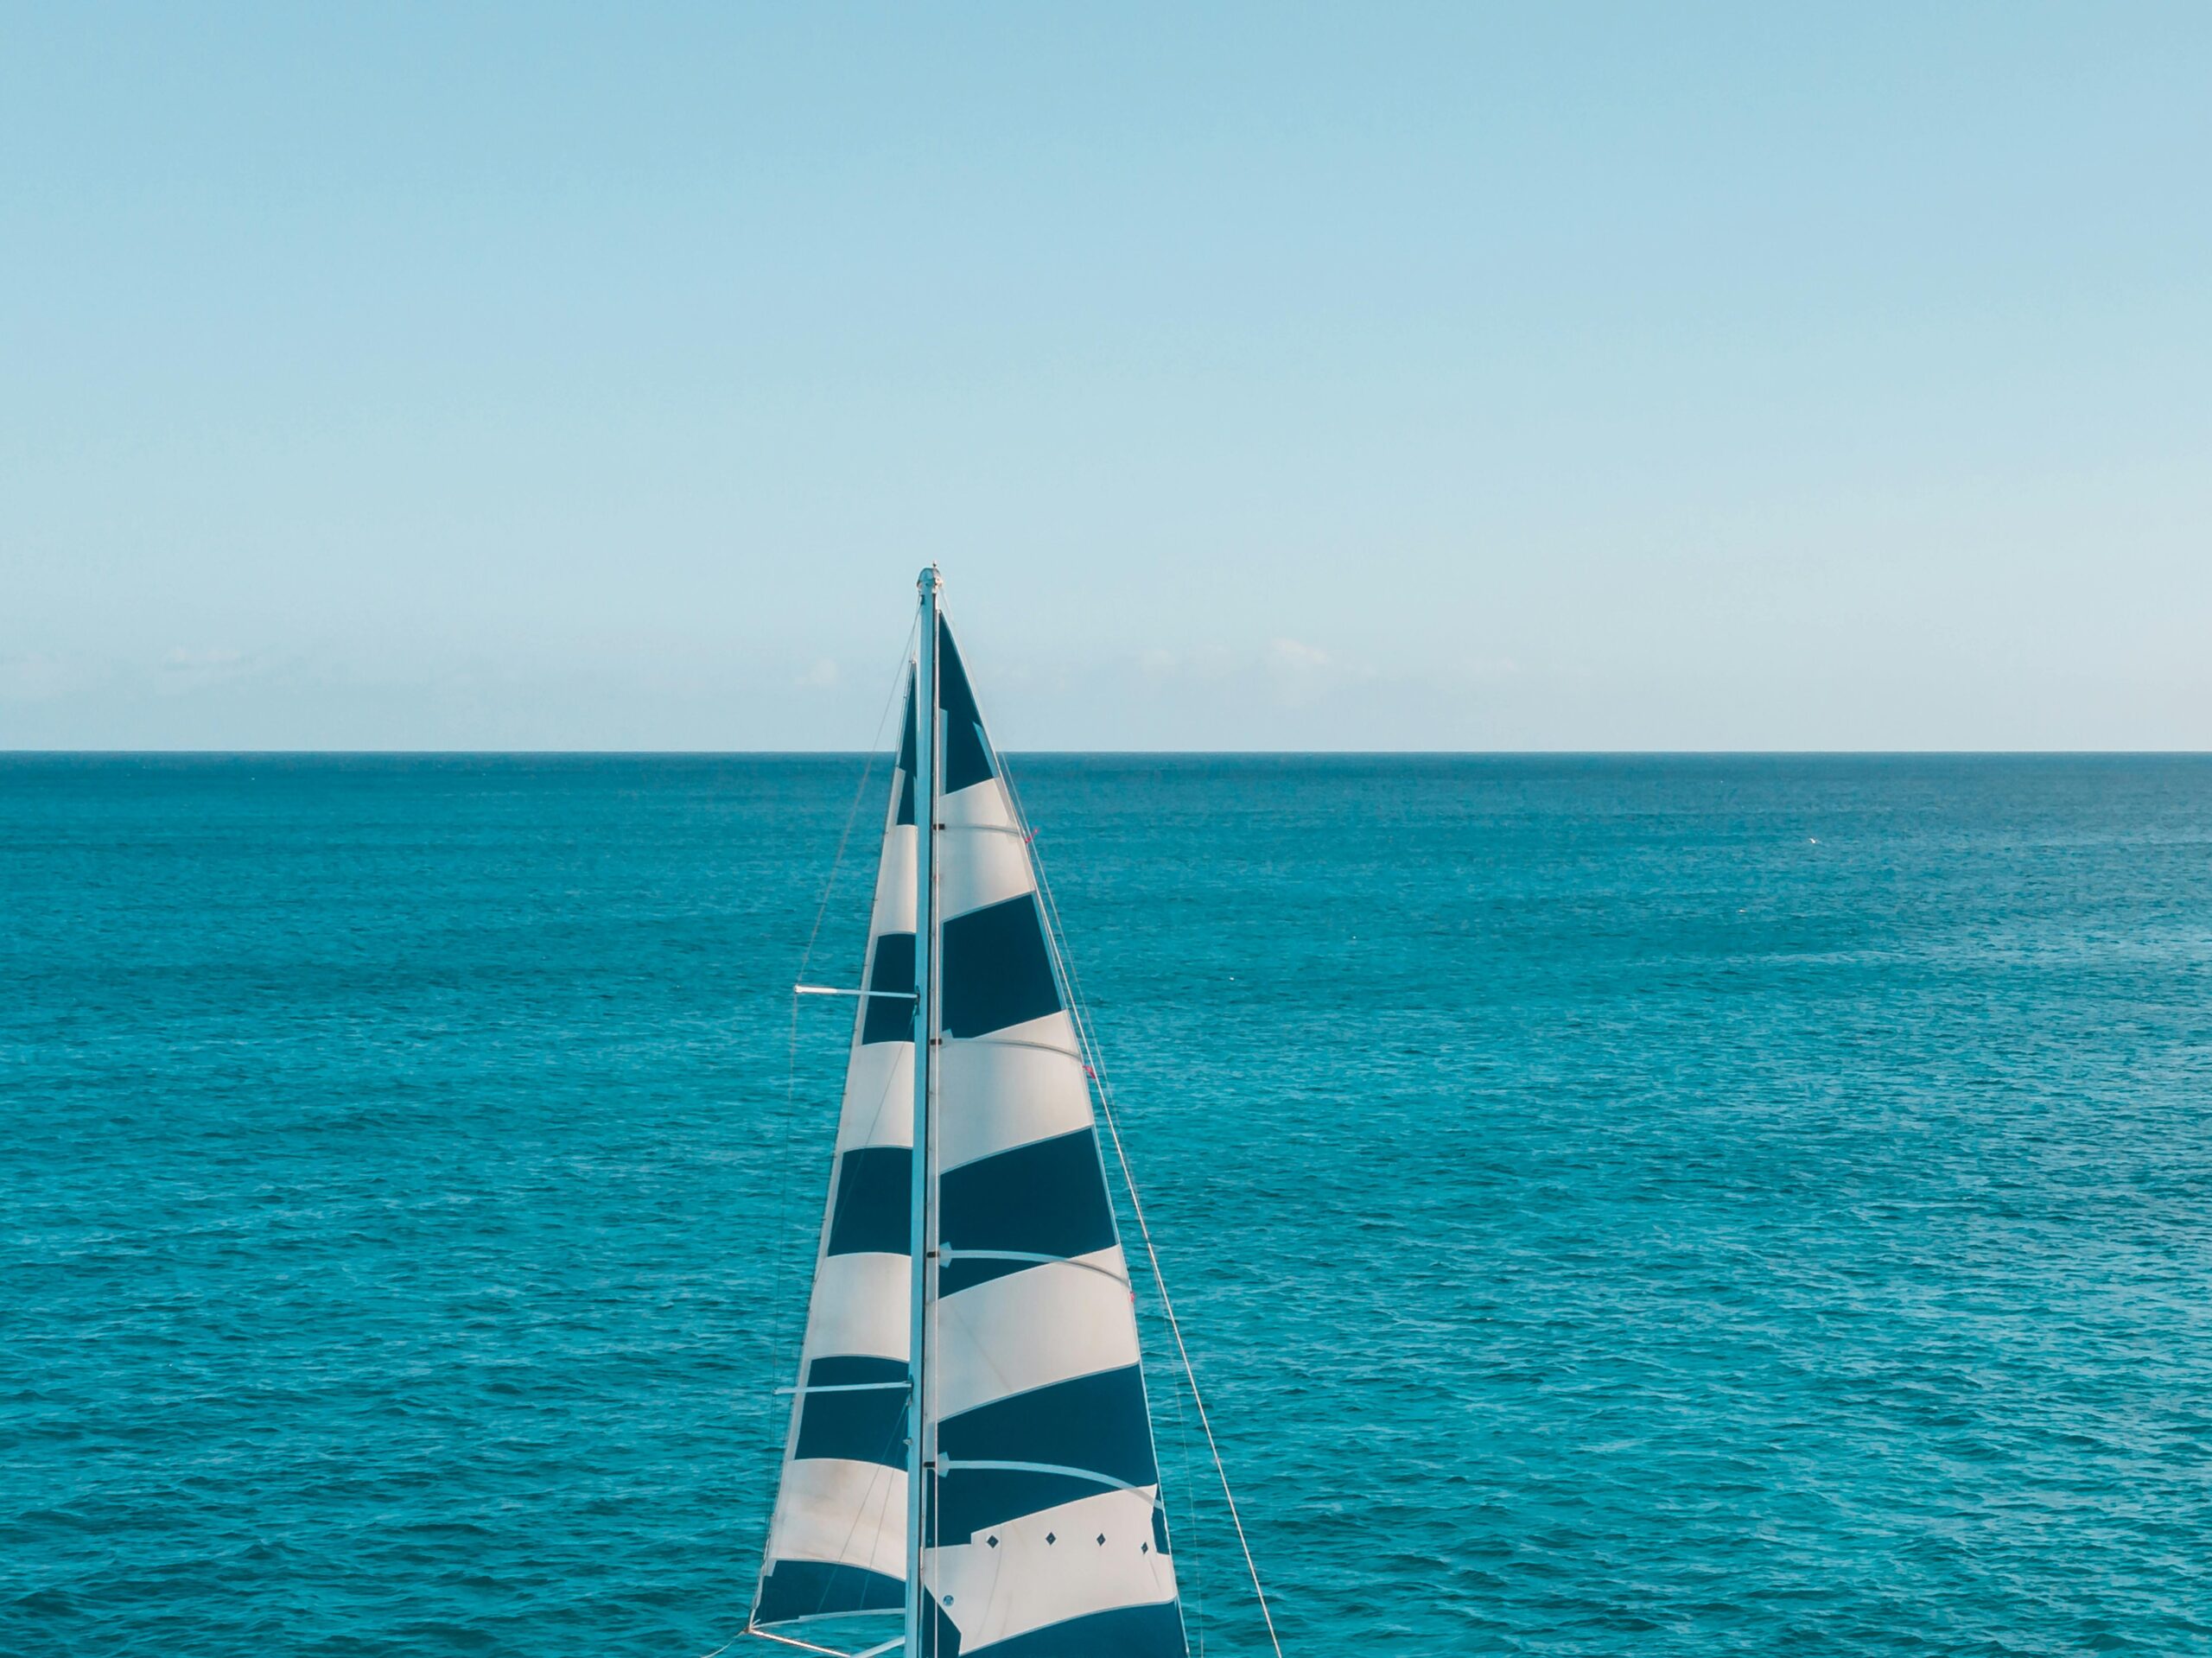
(1042, 1536)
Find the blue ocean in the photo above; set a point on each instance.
(1655, 1206)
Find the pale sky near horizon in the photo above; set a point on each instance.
(1263, 376)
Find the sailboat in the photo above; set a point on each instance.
(970, 1448)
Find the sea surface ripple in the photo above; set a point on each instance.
(1615, 1205)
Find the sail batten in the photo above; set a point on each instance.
(1041, 1530)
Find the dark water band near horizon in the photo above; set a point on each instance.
(1671, 1205)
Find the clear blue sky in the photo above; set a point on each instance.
(1383, 376)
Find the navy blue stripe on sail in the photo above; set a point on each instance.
(1089, 1425)
(818, 1589)
(940, 1635)
(874, 1201)
(850, 1370)
(996, 970)
(866, 1425)
(967, 755)
(906, 760)
(1151, 1631)
(1046, 1198)
(891, 1018)
(968, 1500)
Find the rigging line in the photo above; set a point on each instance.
(1081, 1019)
(1174, 1324)
(875, 752)
(806, 957)
(1190, 1491)
(1183, 1352)
(880, 1488)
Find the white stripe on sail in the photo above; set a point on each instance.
(994, 1593)
(982, 859)
(859, 1308)
(1032, 1328)
(1015, 1085)
(844, 1513)
(982, 803)
(994, 870)
(893, 910)
(879, 1096)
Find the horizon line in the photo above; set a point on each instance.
(1107, 753)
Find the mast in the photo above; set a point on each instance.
(925, 809)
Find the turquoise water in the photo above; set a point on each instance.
(1666, 1206)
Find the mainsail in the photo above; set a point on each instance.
(1041, 1530)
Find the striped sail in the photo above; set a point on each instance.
(1043, 1534)
(837, 1540)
